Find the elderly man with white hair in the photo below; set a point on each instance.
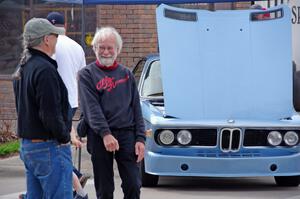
(111, 108)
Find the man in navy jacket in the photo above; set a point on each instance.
(42, 109)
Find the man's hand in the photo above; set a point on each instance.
(139, 151)
(76, 142)
(111, 143)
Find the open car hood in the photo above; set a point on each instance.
(223, 65)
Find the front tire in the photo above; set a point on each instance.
(148, 180)
(287, 181)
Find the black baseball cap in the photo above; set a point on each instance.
(56, 18)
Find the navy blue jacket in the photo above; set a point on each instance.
(109, 100)
(41, 100)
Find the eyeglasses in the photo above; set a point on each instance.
(103, 48)
(55, 35)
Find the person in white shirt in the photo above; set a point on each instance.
(70, 58)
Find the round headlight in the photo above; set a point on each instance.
(184, 137)
(166, 137)
(291, 138)
(274, 138)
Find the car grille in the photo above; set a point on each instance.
(230, 139)
(258, 137)
(200, 137)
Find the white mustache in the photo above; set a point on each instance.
(107, 61)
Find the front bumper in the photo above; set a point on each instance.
(172, 165)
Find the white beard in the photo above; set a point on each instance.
(107, 61)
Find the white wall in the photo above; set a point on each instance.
(295, 8)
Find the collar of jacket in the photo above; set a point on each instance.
(42, 54)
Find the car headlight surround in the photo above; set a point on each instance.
(274, 138)
(166, 137)
(291, 138)
(184, 137)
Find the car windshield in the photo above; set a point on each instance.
(152, 86)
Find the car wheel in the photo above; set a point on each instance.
(287, 181)
(148, 180)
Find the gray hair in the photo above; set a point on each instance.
(29, 43)
(25, 55)
(104, 33)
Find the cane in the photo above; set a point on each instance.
(79, 157)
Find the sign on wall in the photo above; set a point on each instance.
(295, 19)
(295, 7)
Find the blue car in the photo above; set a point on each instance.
(218, 99)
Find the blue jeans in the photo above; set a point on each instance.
(48, 169)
